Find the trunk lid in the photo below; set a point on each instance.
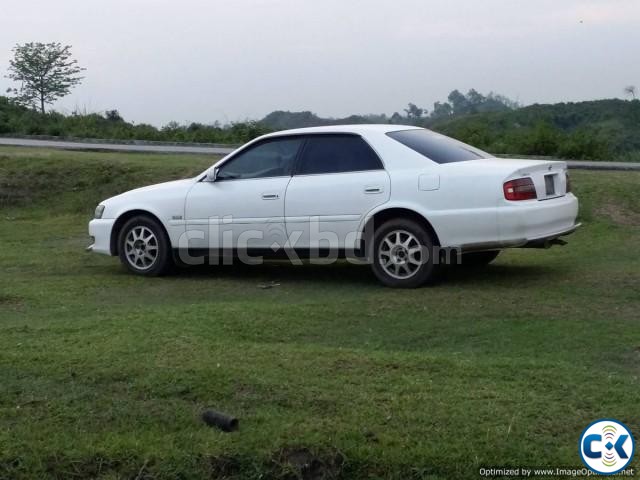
(549, 176)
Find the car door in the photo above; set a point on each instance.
(337, 180)
(244, 206)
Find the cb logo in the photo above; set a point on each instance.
(606, 446)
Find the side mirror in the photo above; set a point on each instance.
(212, 175)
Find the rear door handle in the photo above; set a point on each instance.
(270, 196)
(372, 189)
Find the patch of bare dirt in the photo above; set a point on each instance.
(619, 215)
(222, 466)
(10, 300)
(300, 463)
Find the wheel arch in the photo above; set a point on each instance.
(123, 218)
(389, 213)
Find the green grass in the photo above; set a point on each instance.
(104, 374)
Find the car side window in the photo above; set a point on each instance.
(335, 154)
(270, 158)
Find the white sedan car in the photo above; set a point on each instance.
(399, 197)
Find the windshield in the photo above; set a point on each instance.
(436, 147)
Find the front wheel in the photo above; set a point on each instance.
(403, 254)
(144, 248)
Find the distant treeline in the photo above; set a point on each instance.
(593, 130)
(458, 105)
(599, 130)
(18, 120)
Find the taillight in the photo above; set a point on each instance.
(568, 189)
(520, 189)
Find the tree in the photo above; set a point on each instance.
(414, 113)
(458, 102)
(630, 90)
(441, 110)
(475, 100)
(396, 118)
(113, 116)
(45, 71)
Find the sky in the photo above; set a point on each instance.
(229, 60)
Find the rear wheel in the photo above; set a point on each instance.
(144, 248)
(478, 259)
(403, 254)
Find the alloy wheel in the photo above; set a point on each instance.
(400, 254)
(141, 247)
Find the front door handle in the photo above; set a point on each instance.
(371, 189)
(270, 196)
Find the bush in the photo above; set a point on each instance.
(603, 129)
(22, 121)
(543, 139)
(584, 144)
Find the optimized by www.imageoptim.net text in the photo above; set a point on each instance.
(525, 472)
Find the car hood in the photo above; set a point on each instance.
(161, 199)
(157, 189)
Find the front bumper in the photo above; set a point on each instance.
(100, 230)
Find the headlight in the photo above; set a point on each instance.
(99, 211)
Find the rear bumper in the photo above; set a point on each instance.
(539, 242)
(100, 231)
(548, 240)
(534, 220)
(535, 224)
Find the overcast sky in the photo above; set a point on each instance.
(190, 60)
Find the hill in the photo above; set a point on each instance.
(18, 120)
(594, 130)
(285, 120)
(590, 130)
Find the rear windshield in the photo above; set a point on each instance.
(437, 147)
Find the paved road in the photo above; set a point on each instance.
(222, 150)
(587, 165)
(151, 148)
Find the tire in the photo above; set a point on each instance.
(144, 248)
(394, 258)
(478, 259)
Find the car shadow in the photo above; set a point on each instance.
(497, 274)
(342, 272)
(276, 271)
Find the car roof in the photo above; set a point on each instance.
(361, 129)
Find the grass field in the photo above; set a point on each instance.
(104, 374)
